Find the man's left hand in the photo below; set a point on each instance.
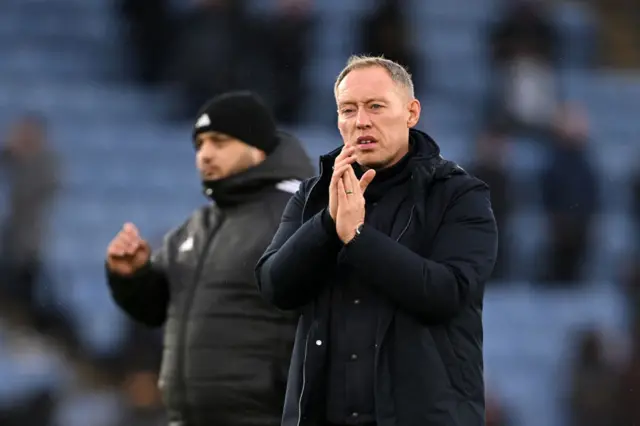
(351, 203)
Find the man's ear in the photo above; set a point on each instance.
(414, 113)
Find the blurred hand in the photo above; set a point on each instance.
(342, 163)
(127, 252)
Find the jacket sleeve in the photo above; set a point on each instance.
(145, 295)
(300, 258)
(435, 289)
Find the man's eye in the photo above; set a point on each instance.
(376, 106)
(347, 110)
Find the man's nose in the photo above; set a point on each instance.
(207, 154)
(362, 119)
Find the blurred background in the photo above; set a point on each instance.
(541, 99)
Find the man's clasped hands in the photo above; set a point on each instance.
(346, 194)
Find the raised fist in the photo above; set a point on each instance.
(127, 252)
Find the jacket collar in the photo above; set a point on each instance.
(287, 163)
(426, 163)
(427, 166)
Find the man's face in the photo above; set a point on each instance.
(219, 156)
(375, 115)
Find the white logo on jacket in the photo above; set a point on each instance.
(290, 186)
(187, 245)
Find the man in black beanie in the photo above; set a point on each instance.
(226, 351)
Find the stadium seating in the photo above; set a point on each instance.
(124, 163)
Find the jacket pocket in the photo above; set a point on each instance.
(449, 358)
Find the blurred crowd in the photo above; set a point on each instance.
(206, 47)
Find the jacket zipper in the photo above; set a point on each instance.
(304, 375)
(184, 318)
(306, 345)
(404, 230)
(406, 227)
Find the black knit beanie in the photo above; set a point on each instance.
(242, 115)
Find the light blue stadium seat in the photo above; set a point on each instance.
(617, 163)
(454, 145)
(470, 81)
(335, 8)
(444, 114)
(103, 408)
(323, 72)
(317, 140)
(530, 156)
(322, 75)
(101, 324)
(123, 164)
(613, 238)
(80, 99)
(527, 333)
(529, 231)
(599, 90)
(460, 10)
(442, 39)
(577, 25)
(89, 26)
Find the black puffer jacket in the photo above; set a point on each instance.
(226, 351)
(430, 272)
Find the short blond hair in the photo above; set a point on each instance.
(397, 72)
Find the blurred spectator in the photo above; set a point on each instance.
(143, 403)
(30, 370)
(592, 384)
(570, 195)
(32, 173)
(36, 411)
(144, 407)
(490, 168)
(141, 360)
(523, 46)
(385, 33)
(219, 364)
(288, 35)
(148, 28)
(114, 392)
(218, 49)
(142, 349)
(619, 31)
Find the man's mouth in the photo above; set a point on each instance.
(210, 173)
(366, 140)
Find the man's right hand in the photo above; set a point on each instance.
(127, 252)
(342, 163)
